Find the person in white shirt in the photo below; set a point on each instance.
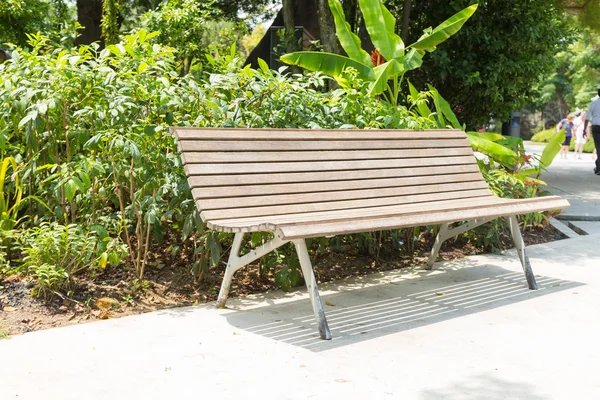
(581, 137)
(593, 117)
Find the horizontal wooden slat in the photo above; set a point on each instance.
(318, 166)
(256, 223)
(511, 207)
(317, 145)
(260, 156)
(466, 195)
(281, 199)
(327, 176)
(314, 187)
(311, 134)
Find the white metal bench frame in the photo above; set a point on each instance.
(298, 231)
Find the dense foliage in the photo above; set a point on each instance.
(493, 65)
(88, 132)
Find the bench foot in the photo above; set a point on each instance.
(515, 232)
(313, 291)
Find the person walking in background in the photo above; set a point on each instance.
(567, 125)
(580, 134)
(593, 117)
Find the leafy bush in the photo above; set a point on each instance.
(89, 128)
(543, 136)
(54, 253)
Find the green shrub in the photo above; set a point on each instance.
(543, 136)
(53, 254)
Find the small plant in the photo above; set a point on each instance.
(4, 333)
(54, 253)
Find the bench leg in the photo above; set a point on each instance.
(232, 266)
(236, 262)
(446, 233)
(515, 232)
(440, 238)
(313, 291)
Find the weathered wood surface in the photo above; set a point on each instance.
(306, 183)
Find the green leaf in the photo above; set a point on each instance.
(413, 59)
(494, 137)
(263, 65)
(383, 73)
(421, 106)
(70, 189)
(444, 110)
(381, 25)
(493, 150)
(349, 41)
(330, 64)
(551, 149)
(443, 31)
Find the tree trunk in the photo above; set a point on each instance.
(290, 25)
(328, 37)
(89, 15)
(405, 19)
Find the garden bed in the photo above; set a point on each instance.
(173, 286)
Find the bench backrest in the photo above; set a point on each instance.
(237, 173)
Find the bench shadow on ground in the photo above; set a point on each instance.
(363, 309)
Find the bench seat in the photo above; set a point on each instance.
(300, 184)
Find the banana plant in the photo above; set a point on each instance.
(390, 60)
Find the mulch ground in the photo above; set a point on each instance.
(173, 286)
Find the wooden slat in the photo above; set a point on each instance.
(255, 223)
(259, 156)
(311, 134)
(318, 166)
(327, 176)
(512, 207)
(317, 145)
(313, 187)
(208, 215)
(280, 199)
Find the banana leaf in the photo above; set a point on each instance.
(443, 31)
(494, 137)
(383, 73)
(381, 25)
(349, 41)
(443, 109)
(551, 149)
(330, 64)
(493, 150)
(413, 59)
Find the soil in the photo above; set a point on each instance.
(111, 293)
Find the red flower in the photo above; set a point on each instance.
(377, 58)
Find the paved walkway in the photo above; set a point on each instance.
(469, 330)
(574, 180)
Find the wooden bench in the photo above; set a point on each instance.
(309, 183)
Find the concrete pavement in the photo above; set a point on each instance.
(468, 330)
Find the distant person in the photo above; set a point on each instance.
(567, 125)
(581, 137)
(593, 116)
